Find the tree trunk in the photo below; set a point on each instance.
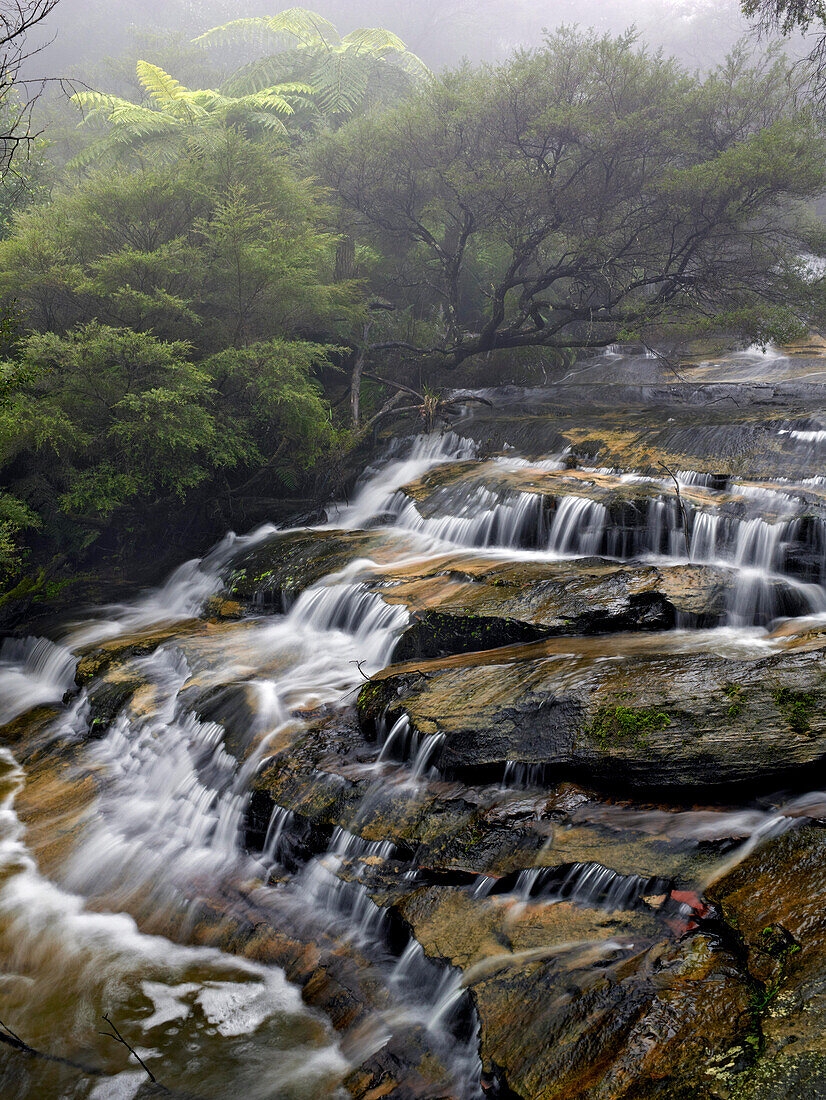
(345, 259)
(355, 386)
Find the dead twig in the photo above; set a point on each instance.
(682, 508)
(116, 1035)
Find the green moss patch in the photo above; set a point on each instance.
(796, 708)
(625, 723)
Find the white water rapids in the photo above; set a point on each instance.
(108, 923)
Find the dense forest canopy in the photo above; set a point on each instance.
(250, 237)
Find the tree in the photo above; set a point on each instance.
(17, 97)
(785, 15)
(177, 117)
(788, 17)
(219, 250)
(105, 432)
(310, 49)
(182, 318)
(579, 195)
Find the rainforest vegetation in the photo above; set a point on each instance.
(235, 251)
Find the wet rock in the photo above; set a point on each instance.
(232, 706)
(679, 721)
(438, 828)
(467, 603)
(97, 659)
(108, 697)
(775, 904)
(29, 727)
(576, 1002)
(274, 572)
(730, 429)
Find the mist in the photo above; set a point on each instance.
(443, 32)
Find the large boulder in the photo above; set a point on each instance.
(669, 721)
(576, 1002)
(272, 573)
(462, 603)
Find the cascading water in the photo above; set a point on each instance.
(578, 527)
(162, 833)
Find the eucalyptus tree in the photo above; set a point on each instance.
(579, 195)
(304, 46)
(175, 117)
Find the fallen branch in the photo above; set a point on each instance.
(14, 1041)
(394, 385)
(116, 1035)
(682, 508)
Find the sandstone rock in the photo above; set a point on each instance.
(679, 721)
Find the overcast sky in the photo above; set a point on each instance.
(699, 32)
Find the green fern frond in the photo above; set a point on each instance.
(97, 151)
(341, 83)
(266, 72)
(263, 102)
(161, 86)
(308, 27)
(269, 122)
(373, 40)
(413, 65)
(95, 100)
(248, 32)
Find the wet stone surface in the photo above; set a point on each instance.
(513, 769)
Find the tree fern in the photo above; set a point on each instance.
(174, 114)
(339, 69)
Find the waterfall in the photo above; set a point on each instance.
(755, 558)
(707, 537)
(33, 671)
(578, 527)
(178, 784)
(483, 520)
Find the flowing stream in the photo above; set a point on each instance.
(135, 891)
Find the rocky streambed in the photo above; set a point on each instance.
(513, 767)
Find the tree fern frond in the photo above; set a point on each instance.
(308, 27)
(269, 122)
(250, 32)
(161, 86)
(341, 82)
(98, 101)
(263, 103)
(373, 40)
(413, 65)
(97, 151)
(266, 72)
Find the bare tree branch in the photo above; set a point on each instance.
(116, 1035)
(18, 96)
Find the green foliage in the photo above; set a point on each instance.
(176, 117)
(116, 414)
(735, 694)
(274, 418)
(15, 519)
(221, 250)
(586, 191)
(785, 15)
(104, 423)
(310, 49)
(181, 317)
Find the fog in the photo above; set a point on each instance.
(82, 33)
